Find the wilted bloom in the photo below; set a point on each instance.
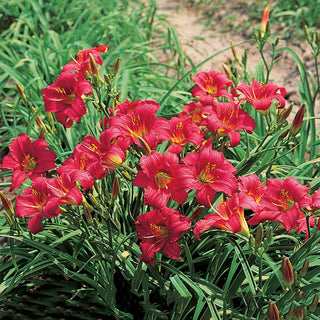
(64, 97)
(272, 312)
(261, 95)
(158, 176)
(8, 208)
(207, 172)
(283, 201)
(37, 202)
(298, 120)
(227, 119)
(28, 159)
(211, 85)
(287, 272)
(180, 131)
(228, 216)
(160, 230)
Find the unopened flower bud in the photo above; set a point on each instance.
(287, 272)
(197, 213)
(87, 213)
(8, 208)
(116, 66)
(304, 268)
(94, 67)
(314, 304)
(284, 134)
(272, 312)
(298, 120)
(144, 146)
(115, 188)
(20, 91)
(227, 71)
(235, 53)
(318, 38)
(112, 160)
(264, 20)
(307, 34)
(259, 236)
(283, 114)
(296, 312)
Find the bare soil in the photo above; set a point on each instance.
(199, 42)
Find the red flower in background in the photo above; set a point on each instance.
(160, 230)
(37, 202)
(261, 95)
(211, 85)
(64, 97)
(28, 159)
(283, 201)
(226, 118)
(207, 172)
(158, 177)
(229, 216)
(82, 63)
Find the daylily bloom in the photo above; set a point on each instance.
(211, 85)
(229, 216)
(283, 201)
(142, 123)
(158, 177)
(64, 97)
(251, 191)
(64, 187)
(129, 107)
(207, 172)
(160, 230)
(82, 63)
(194, 111)
(37, 202)
(180, 131)
(28, 159)
(261, 95)
(227, 118)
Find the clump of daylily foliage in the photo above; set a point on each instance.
(183, 168)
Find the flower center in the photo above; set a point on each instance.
(178, 135)
(207, 174)
(286, 200)
(139, 128)
(159, 231)
(28, 163)
(67, 97)
(211, 88)
(162, 180)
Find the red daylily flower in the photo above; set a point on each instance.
(251, 191)
(283, 201)
(158, 177)
(211, 85)
(226, 118)
(229, 216)
(261, 95)
(37, 202)
(160, 230)
(139, 123)
(180, 131)
(82, 63)
(28, 159)
(207, 172)
(64, 187)
(194, 111)
(64, 97)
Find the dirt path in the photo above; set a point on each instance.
(199, 43)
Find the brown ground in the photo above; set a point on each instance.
(199, 42)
